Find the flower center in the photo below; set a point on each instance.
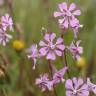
(69, 13)
(75, 91)
(52, 46)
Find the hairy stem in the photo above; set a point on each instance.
(64, 58)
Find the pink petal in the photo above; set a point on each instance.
(51, 56)
(80, 82)
(52, 36)
(43, 51)
(94, 89)
(77, 82)
(61, 20)
(10, 20)
(69, 84)
(72, 46)
(63, 6)
(74, 22)
(80, 50)
(77, 12)
(8, 36)
(61, 47)
(84, 93)
(11, 28)
(33, 48)
(4, 27)
(46, 37)
(69, 93)
(50, 85)
(78, 43)
(59, 53)
(72, 7)
(56, 14)
(66, 23)
(84, 86)
(63, 70)
(42, 43)
(77, 57)
(59, 40)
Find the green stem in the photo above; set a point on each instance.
(4, 91)
(49, 62)
(64, 58)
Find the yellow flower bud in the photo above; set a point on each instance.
(81, 62)
(18, 45)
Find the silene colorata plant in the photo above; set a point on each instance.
(6, 25)
(51, 47)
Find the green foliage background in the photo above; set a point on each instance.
(32, 15)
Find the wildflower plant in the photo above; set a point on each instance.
(5, 26)
(68, 17)
(33, 54)
(52, 47)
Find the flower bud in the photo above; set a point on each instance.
(18, 45)
(81, 62)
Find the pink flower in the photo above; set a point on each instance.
(91, 86)
(68, 15)
(76, 87)
(75, 26)
(7, 22)
(49, 49)
(76, 50)
(33, 54)
(44, 83)
(58, 75)
(4, 37)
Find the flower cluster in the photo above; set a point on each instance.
(44, 83)
(91, 86)
(79, 87)
(68, 15)
(48, 48)
(76, 50)
(51, 47)
(6, 24)
(47, 84)
(76, 87)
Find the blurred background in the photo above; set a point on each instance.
(16, 75)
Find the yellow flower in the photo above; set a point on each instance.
(81, 62)
(18, 45)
